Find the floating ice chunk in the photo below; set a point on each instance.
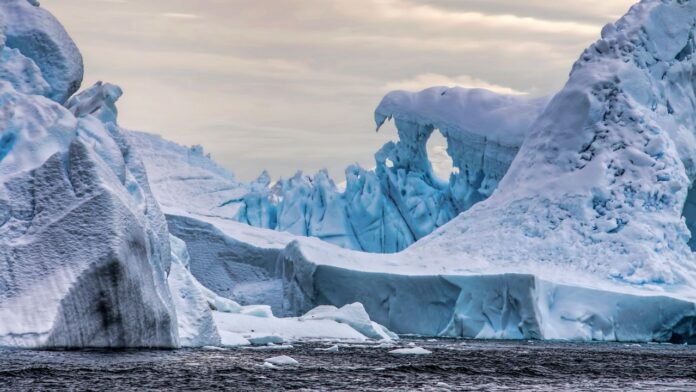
(353, 315)
(261, 340)
(232, 339)
(288, 328)
(213, 348)
(267, 365)
(332, 349)
(270, 347)
(282, 360)
(410, 351)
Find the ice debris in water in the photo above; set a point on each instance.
(282, 360)
(410, 351)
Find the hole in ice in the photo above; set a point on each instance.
(441, 162)
(389, 163)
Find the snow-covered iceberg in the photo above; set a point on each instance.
(576, 208)
(584, 237)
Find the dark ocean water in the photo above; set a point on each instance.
(453, 365)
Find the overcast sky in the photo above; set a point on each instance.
(292, 84)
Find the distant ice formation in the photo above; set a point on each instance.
(382, 210)
(575, 209)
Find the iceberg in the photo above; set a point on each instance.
(570, 221)
(587, 235)
(84, 248)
